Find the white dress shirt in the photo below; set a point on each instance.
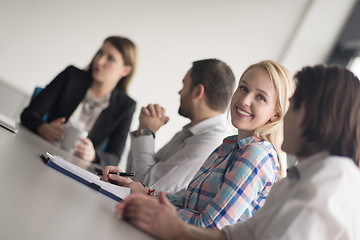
(172, 167)
(318, 200)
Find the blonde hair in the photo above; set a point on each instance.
(285, 86)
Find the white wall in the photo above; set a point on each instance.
(39, 38)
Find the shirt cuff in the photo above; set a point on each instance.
(146, 144)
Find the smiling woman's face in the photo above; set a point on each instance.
(254, 102)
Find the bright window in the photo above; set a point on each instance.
(355, 66)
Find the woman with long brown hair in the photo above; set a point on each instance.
(94, 99)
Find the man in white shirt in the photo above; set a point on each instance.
(306, 198)
(319, 197)
(207, 89)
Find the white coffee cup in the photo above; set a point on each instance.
(70, 135)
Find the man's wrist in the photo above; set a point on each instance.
(144, 132)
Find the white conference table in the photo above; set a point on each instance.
(38, 202)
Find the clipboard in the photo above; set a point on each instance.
(87, 178)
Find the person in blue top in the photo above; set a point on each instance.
(95, 99)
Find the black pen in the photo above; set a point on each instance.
(122, 174)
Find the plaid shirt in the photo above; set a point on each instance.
(231, 185)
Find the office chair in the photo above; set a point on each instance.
(37, 90)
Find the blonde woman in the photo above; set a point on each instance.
(236, 178)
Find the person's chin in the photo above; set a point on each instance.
(180, 112)
(97, 77)
(286, 148)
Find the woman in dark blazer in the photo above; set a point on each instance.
(98, 94)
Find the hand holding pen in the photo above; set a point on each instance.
(114, 175)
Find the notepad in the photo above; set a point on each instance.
(8, 123)
(113, 191)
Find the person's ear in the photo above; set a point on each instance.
(198, 91)
(275, 117)
(126, 71)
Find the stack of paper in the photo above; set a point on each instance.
(89, 178)
(8, 123)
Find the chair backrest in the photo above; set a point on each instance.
(37, 90)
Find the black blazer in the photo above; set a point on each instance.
(61, 97)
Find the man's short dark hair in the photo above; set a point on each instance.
(331, 95)
(218, 81)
